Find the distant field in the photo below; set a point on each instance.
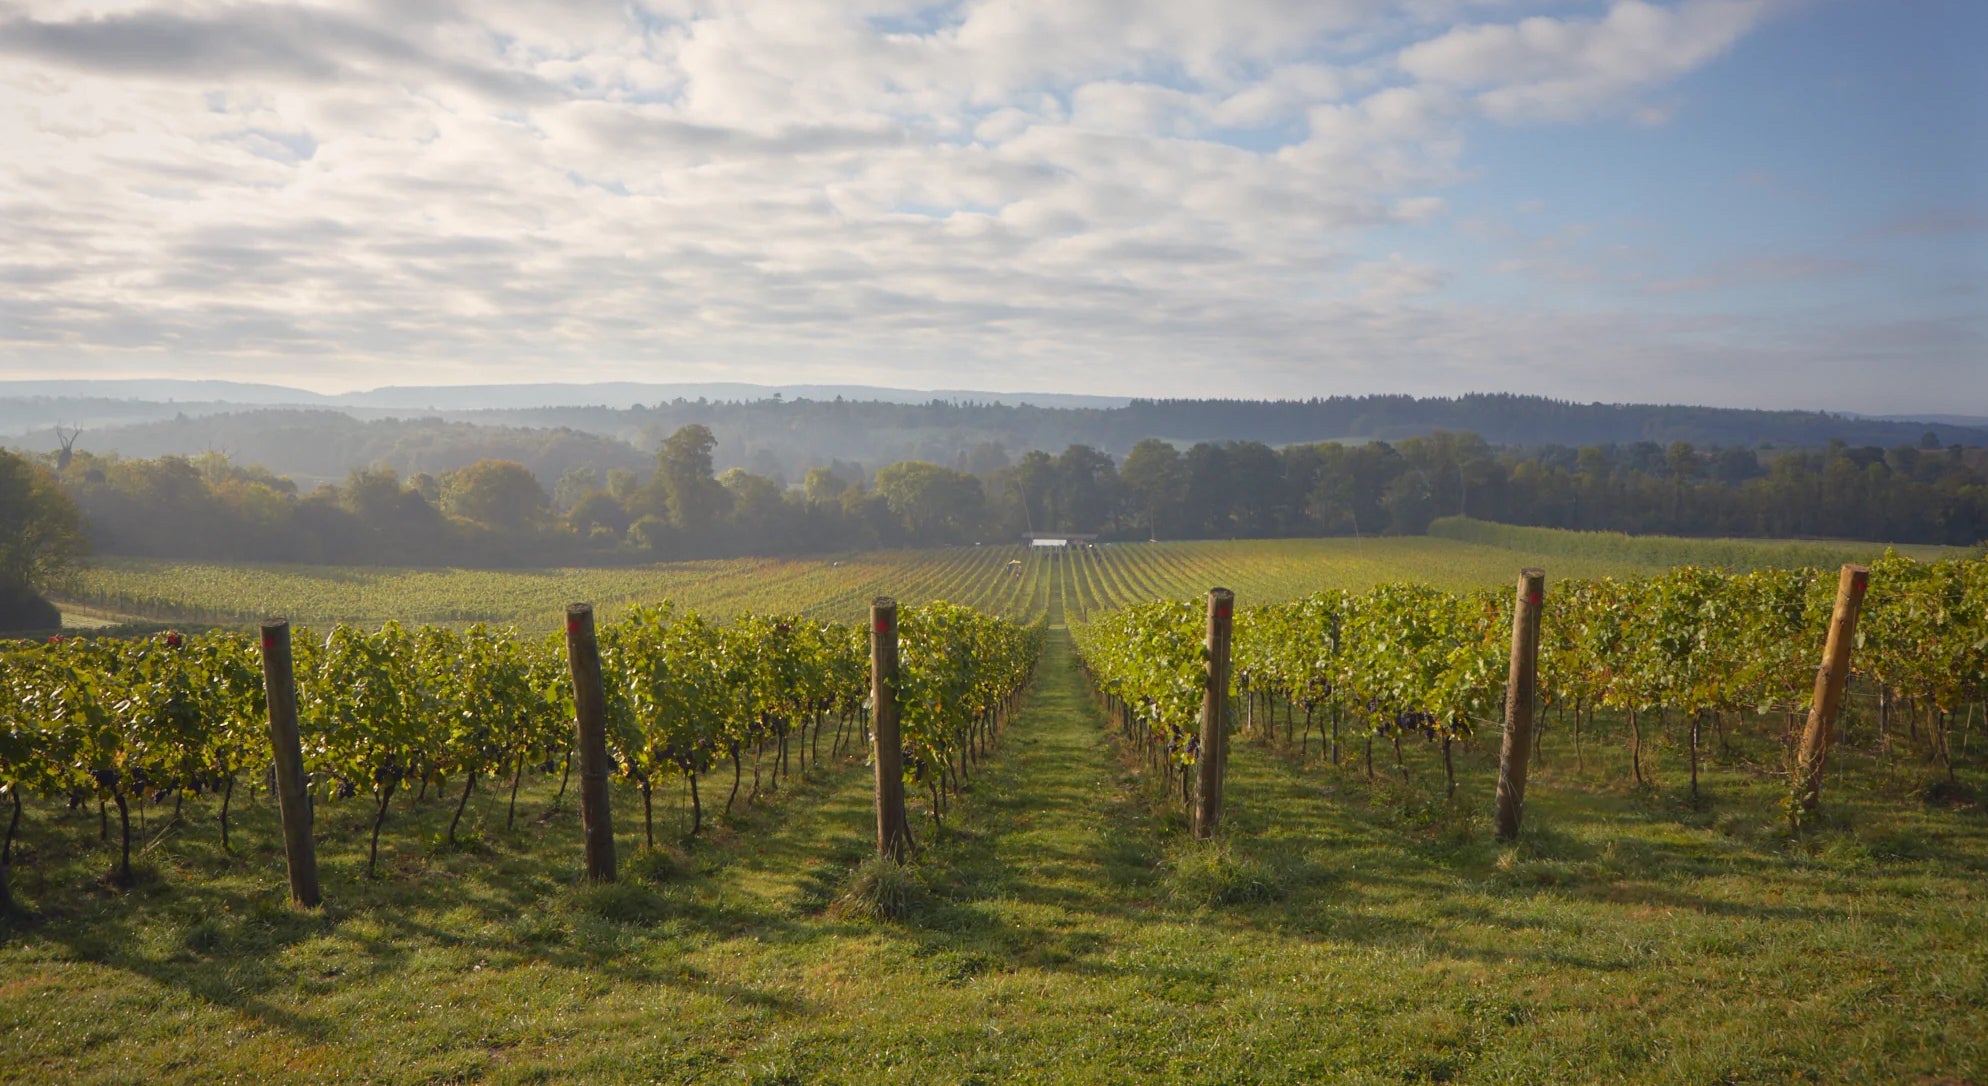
(1260, 571)
(836, 586)
(1671, 550)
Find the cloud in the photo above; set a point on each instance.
(1398, 277)
(1543, 68)
(1418, 208)
(1011, 193)
(286, 44)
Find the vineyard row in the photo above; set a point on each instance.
(1694, 645)
(172, 716)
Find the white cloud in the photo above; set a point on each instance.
(1560, 69)
(1418, 208)
(1397, 277)
(1011, 193)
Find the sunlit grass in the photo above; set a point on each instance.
(1066, 930)
(835, 587)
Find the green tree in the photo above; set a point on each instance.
(372, 494)
(1034, 483)
(622, 484)
(41, 539)
(935, 503)
(1087, 489)
(598, 510)
(1152, 478)
(823, 486)
(500, 494)
(574, 485)
(757, 504)
(694, 500)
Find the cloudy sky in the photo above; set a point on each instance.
(1746, 202)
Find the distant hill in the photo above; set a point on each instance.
(31, 405)
(1976, 421)
(318, 445)
(159, 390)
(431, 429)
(1504, 419)
(624, 394)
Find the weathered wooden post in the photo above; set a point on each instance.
(1213, 757)
(1521, 697)
(1830, 679)
(279, 682)
(893, 834)
(583, 659)
(7, 857)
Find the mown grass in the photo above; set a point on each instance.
(1060, 929)
(1458, 554)
(833, 587)
(1668, 550)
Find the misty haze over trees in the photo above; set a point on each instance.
(680, 504)
(782, 438)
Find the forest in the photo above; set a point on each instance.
(498, 513)
(781, 437)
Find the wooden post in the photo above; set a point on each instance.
(279, 682)
(1830, 679)
(583, 660)
(1521, 696)
(893, 835)
(1213, 756)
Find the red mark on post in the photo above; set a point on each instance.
(268, 641)
(572, 626)
(1533, 598)
(1222, 609)
(883, 626)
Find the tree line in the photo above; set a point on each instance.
(498, 513)
(782, 438)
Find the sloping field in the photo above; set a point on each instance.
(1008, 580)
(1063, 928)
(365, 595)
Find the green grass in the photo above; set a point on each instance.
(1060, 929)
(1460, 554)
(839, 587)
(1665, 550)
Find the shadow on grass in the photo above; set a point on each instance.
(218, 927)
(1058, 860)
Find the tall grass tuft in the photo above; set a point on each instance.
(880, 890)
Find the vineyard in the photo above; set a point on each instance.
(1663, 918)
(1008, 580)
(1696, 647)
(836, 589)
(122, 723)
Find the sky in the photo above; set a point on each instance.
(1756, 203)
